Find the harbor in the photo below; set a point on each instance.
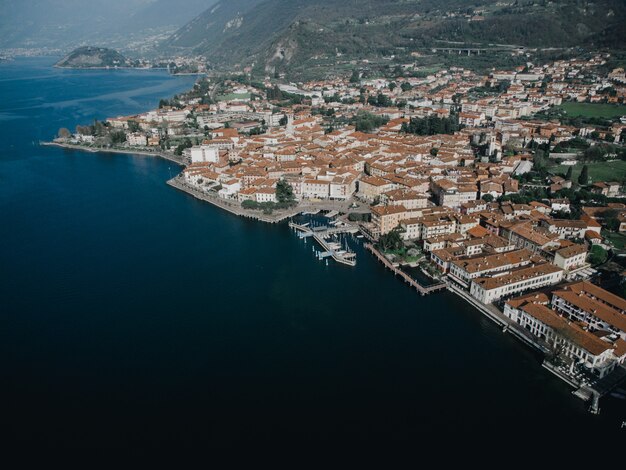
(325, 236)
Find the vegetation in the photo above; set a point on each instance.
(234, 96)
(598, 255)
(266, 207)
(186, 144)
(285, 34)
(583, 178)
(358, 217)
(611, 220)
(594, 110)
(367, 122)
(93, 57)
(390, 241)
(380, 100)
(431, 125)
(618, 240)
(597, 171)
(64, 133)
(284, 193)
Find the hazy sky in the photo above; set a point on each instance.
(61, 22)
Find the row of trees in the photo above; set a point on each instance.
(432, 125)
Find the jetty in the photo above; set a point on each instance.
(423, 290)
(331, 249)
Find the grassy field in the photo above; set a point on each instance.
(234, 96)
(601, 110)
(617, 239)
(600, 171)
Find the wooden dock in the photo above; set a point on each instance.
(405, 277)
(320, 234)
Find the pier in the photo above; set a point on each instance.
(331, 249)
(405, 277)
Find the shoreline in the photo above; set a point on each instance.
(172, 158)
(233, 208)
(146, 69)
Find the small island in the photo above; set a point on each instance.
(90, 57)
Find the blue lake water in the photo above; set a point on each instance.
(133, 316)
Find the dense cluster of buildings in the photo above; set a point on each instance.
(579, 321)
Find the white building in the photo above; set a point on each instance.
(492, 289)
(136, 139)
(204, 153)
(571, 257)
(315, 189)
(566, 338)
(230, 188)
(585, 302)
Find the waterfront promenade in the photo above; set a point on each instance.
(234, 207)
(178, 159)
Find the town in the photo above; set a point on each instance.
(506, 187)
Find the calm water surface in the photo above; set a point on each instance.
(132, 315)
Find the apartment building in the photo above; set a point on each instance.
(492, 289)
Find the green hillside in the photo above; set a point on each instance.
(93, 57)
(287, 33)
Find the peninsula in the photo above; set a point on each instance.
(89, 57)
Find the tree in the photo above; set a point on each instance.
(283, 120)
(540, 160)
(598, 255)
(487, 197)
(594, 153)
(583, 178)
(249, 204)
(355, 77)
(133, 126)
(431, 125)
(366, 122)
(118, 137)
(390, 241)
(284, 192)
(64, 133)
(568, 175)
(611, 220)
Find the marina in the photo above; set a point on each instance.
(325, 237)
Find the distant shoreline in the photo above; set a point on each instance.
(143, 69)
(57, 66)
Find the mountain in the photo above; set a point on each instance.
(281, 33)
(70, 23)
(93, 57)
